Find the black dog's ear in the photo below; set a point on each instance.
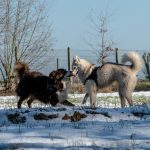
(59, 75)
(53, 74)
(56, 75)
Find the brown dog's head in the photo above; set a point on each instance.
(60, 74)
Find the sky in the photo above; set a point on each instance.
(128, 26)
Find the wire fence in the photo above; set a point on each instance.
(59, 58)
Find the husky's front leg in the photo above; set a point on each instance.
(91, 89)
(85, 98)
(92, 99)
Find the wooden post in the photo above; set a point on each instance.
(69, 58)
(57, 63)
(116, 52)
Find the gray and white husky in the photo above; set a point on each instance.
(94, 77)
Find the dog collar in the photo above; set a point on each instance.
(92, 76)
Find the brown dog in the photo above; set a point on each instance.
(35, 85)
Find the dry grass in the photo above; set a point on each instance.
(141, 86)
(78, 87)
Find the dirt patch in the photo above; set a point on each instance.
(42, 116)
(77, 116)
(140, 114)
(106, 114)
(16, 118)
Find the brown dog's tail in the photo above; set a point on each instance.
(21, 69)
(135, 59)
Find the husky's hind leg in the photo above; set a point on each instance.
(85, 98)
(130, 86)
(122, 98)
(125, 94)
(129, 99)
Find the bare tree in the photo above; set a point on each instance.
(102, 45)
(24, 35)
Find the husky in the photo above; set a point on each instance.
(95, 77)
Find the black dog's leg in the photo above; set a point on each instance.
(67, 103)
(54, 100)
(20, 102)
(29, 102)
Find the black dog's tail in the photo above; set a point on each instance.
(21, 69)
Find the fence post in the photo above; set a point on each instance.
(57, 63)
(116, 52)
(69, 58)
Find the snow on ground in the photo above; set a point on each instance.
(53, 128)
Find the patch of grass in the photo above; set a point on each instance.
(140, 100)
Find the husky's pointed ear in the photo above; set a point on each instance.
(77, 58)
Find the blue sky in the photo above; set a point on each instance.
(128, 27)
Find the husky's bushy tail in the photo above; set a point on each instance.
(21, 69)
(135, 59)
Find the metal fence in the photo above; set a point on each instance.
(59, 58)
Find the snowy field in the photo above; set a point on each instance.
(108, 127)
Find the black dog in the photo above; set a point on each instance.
(34, 85)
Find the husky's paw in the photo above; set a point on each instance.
(84, 101)
(93, 105)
